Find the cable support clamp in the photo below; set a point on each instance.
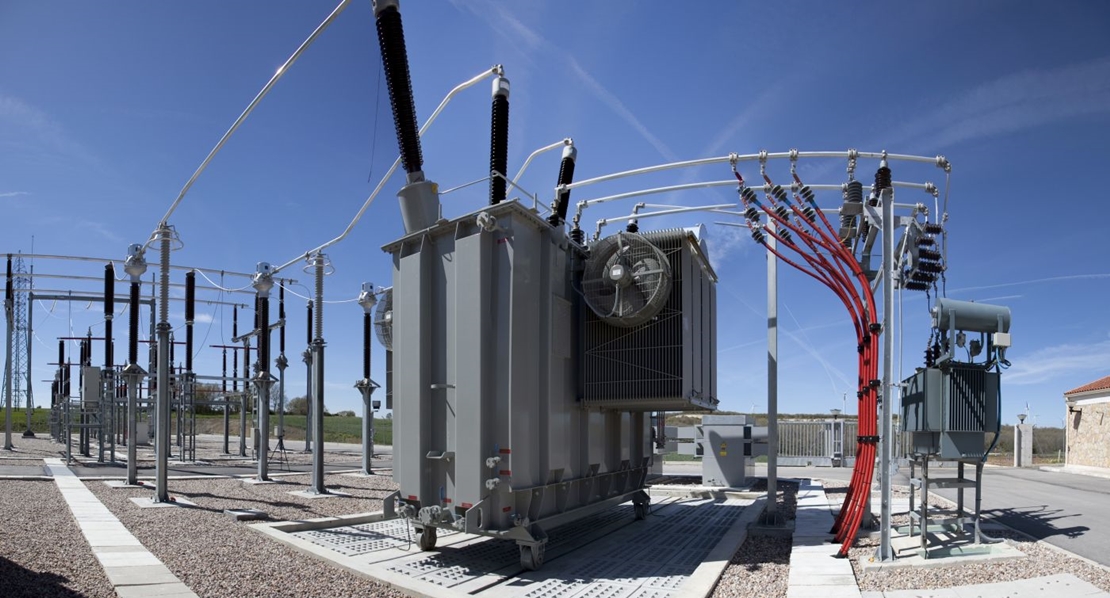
(875, 328)
(867, 439)
(875, 383)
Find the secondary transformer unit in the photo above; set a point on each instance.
(507, 418)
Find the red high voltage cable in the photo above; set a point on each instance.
(832, 274)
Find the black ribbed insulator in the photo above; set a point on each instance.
(751, 214)
(562, 202)
(395, 62)
(190, 296)
(133, 325)
(281, 316)
(930, 267)
(778, 192)
(934, 229)
(367, 335)
(498, 149)
(920, 276)
(882, 178)
(632, 227)
(782, 212)
(916, 286)
(8, 292)
(809, 213)
(757, 234)
(806, 193)
(577, 235)
(929, 254)
(786, 236)
(309, 322)
(747, 194)
(109, 290)
(926, 242)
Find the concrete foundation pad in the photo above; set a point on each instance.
(944, 551)
(246, 514)
(146, 502)
(607, 553)
(124, 484)
(256, 481)
(312, 495)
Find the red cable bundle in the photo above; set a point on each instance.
(842, 274)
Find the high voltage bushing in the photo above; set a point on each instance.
(806, 193)
(499, 140)
(566, 177)
(395, 62)
(782, 212)
(882, 178)
(752, 215)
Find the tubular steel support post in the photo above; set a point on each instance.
(9, 320)
(282, 362)
(135, 266)
(318, 380)
(886, 414)
(307, 358)
(227, 422)
(367, 300)
(161, 490)
(772, 379)
(243, 399)
(263, 282)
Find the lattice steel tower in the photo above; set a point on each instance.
(21, 335)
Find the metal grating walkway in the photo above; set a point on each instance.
(605, 555)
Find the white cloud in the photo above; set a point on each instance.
(1051, 363)
(1022, 100)
(13, 194)
(28, 128)
(503, 22)
(101, 230)
(1095, 276)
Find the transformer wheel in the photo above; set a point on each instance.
(531, 556)
(426, 539)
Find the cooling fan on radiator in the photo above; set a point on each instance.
(627, 280)
(383, 319)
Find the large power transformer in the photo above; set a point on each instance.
(518, 405)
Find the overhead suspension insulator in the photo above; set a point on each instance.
(926, 242)
(934, 229)
(933, 267)
(929, 254)
(779, 194)
(916, 286)
(806, 193)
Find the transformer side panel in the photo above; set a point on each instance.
(411, 317)
(471, 350)
(691, 324)
(444, 395)
(521, 253)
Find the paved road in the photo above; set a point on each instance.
(1066, 510)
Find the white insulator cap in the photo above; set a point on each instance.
(501, 87)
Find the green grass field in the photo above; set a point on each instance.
(336, 429)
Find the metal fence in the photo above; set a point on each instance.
(825, 443)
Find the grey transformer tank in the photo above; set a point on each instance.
(492, 433)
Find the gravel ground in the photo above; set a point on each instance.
(42, 551)
(218, 557)
(761, 567)
(34, 448)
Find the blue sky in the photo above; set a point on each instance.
(106, 109)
